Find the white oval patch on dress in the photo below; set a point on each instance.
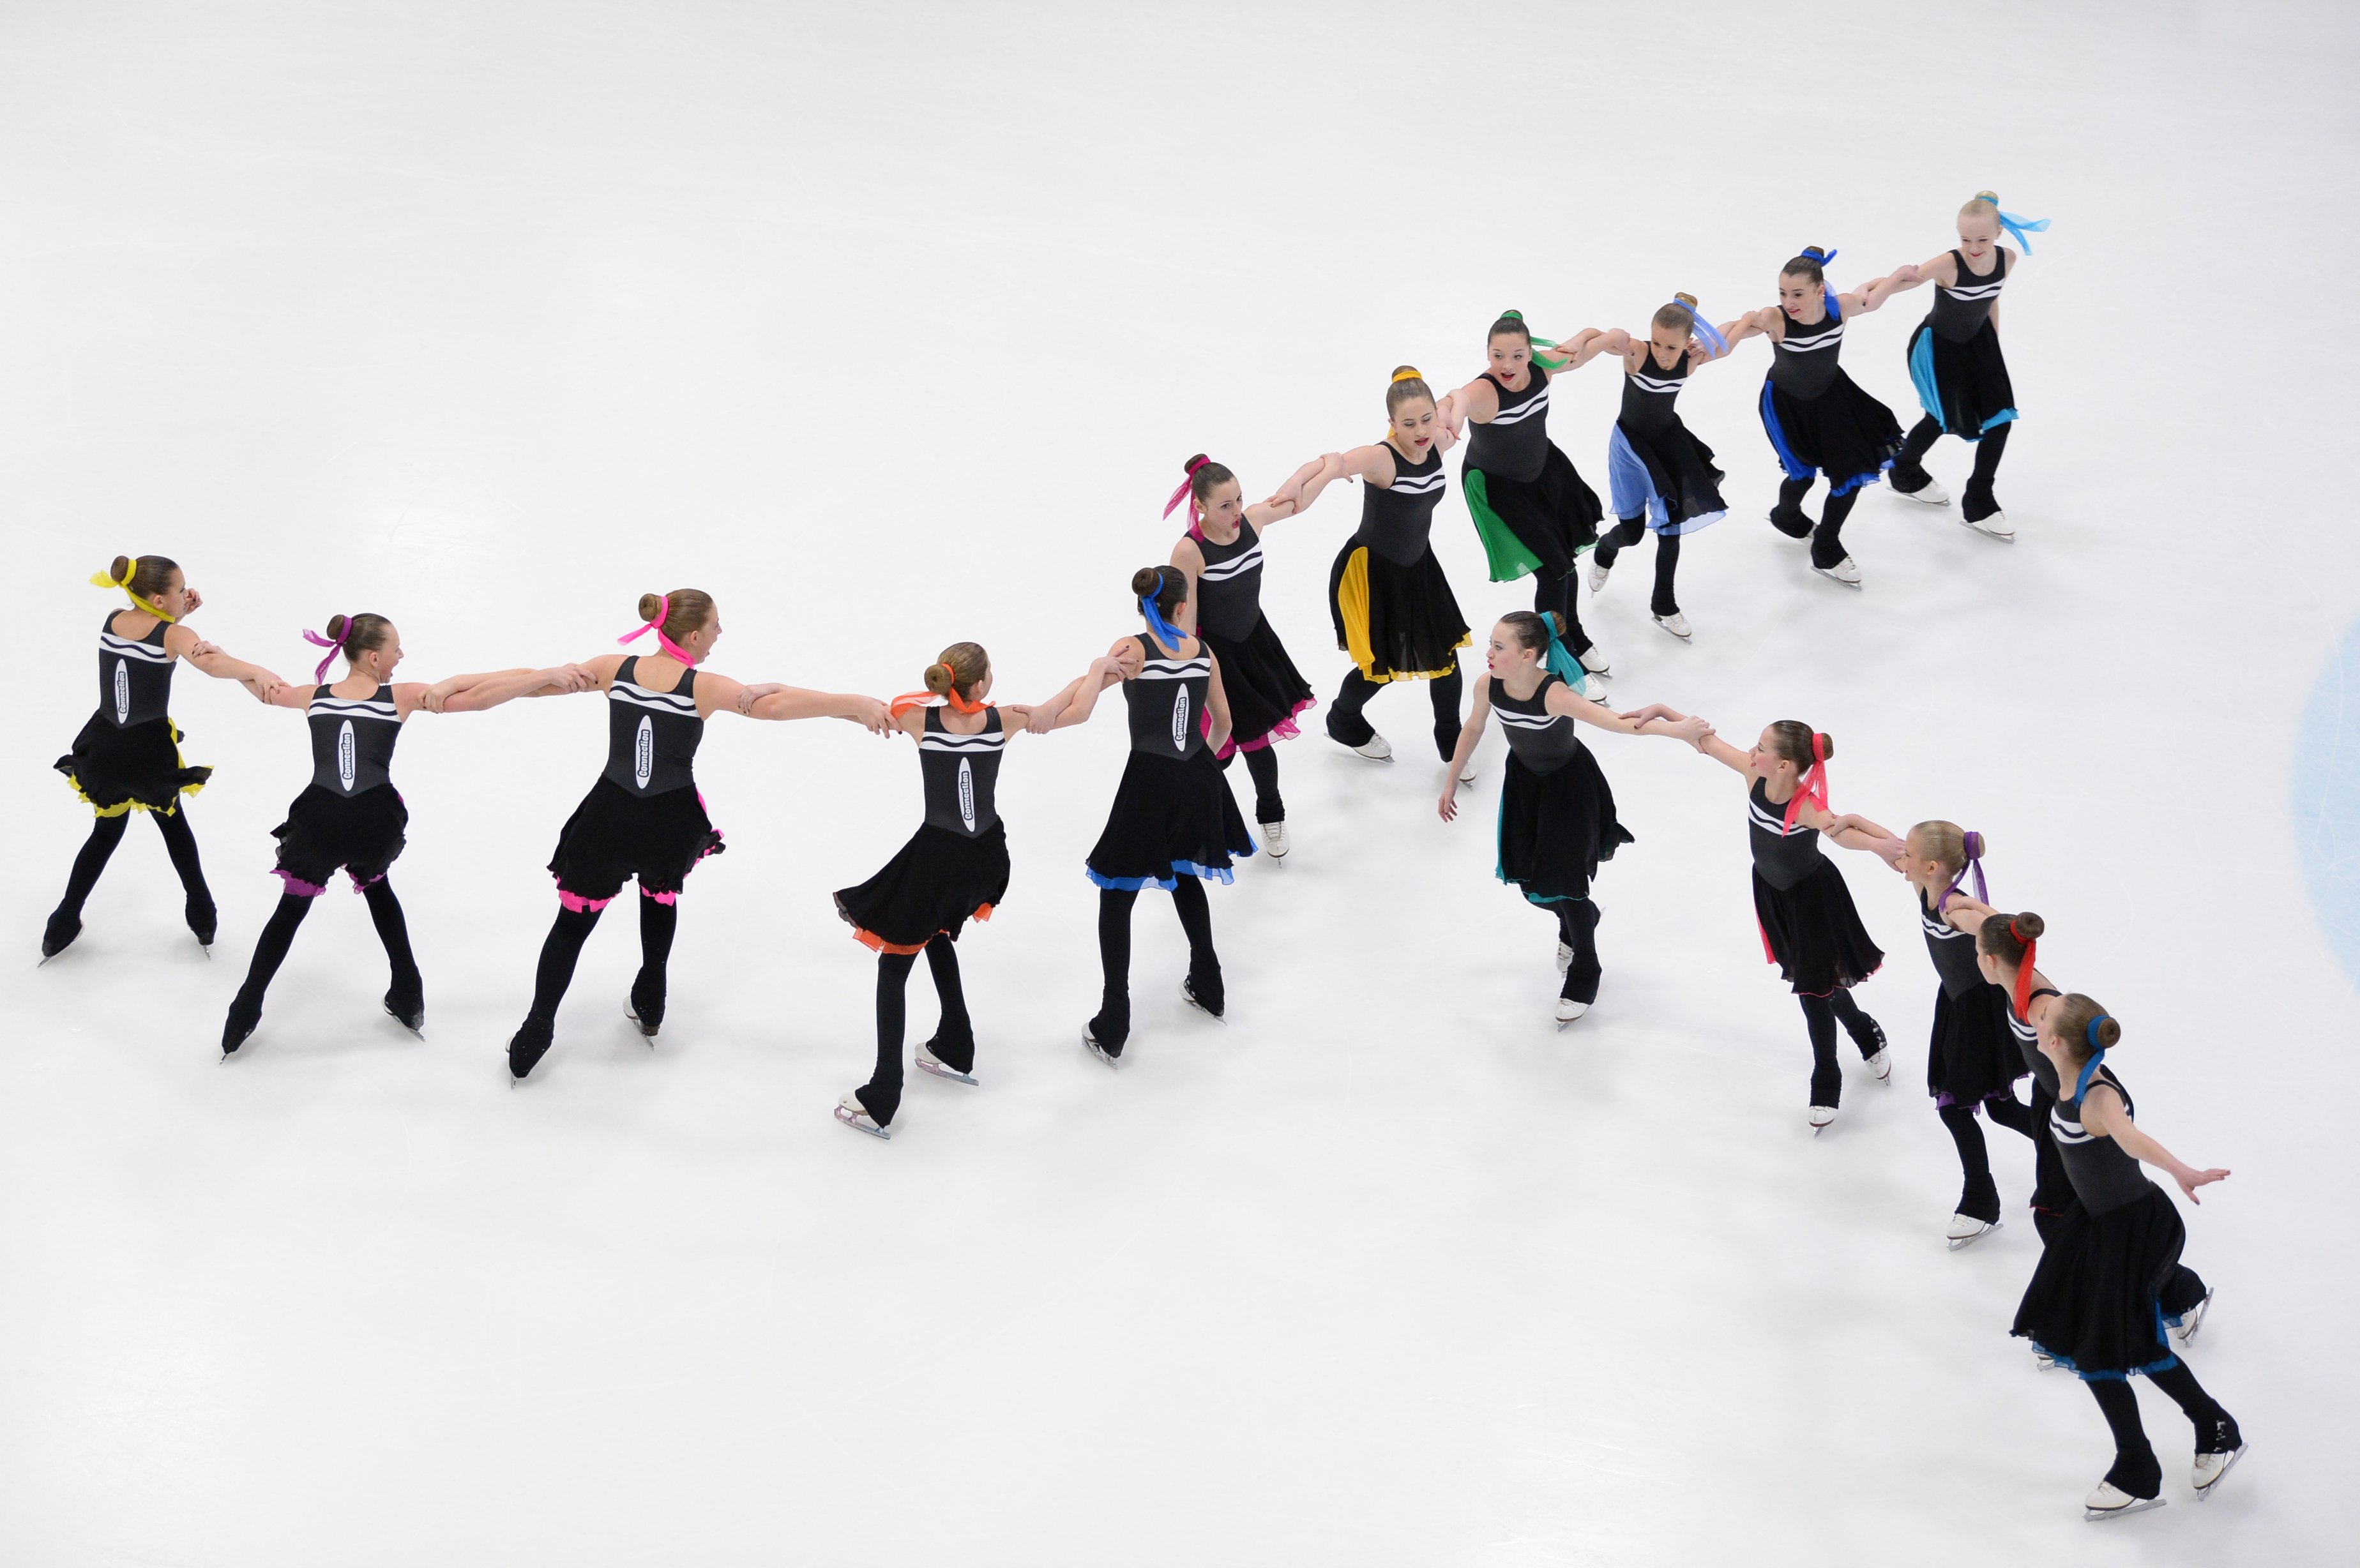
(121, 691)
(643, 751)
(1180, 719)
(966, 794)
(344, 756)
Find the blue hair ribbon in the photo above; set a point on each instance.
(2019, 227)
(1827, 294)
(1707, 334)
(1165, 632)
(2089, 1071)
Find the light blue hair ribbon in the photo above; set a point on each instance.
(2019, 227)
(1707, 334)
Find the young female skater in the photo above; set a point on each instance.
(1955, 360)
(1222, 556)
(1173, 823)
(953, 869)
(1531, 509)
(1809, 928)
(644, 817)
(1393, 608)
(1557, 811)
(1817, 421)
(1972, 1060)
(128, 758)
(1662, 477)
(350, 817)
(2006, 951)
(2106, 1280)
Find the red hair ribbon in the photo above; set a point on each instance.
(2023, 998)
(1182, 493)
(1813, 785)
(663, 614)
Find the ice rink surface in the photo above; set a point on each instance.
(892, 325)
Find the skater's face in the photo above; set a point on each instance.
(1223, 507)
(699, 643)
(1764, 759)
(1922, 867)
(1505, 653)
(380, 660)
(1800, 297)
(1413, 427)
(1668, 344)
(1978, 233)
(1994, 970)
(1512, 355)
(175, 601)
(2066, 1056)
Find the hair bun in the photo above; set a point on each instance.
(1687, 299)
(1406, 373)
(1990, 196)
(337, 626)
(121, 569)
(2106, 1033)
(650, 606)
(939, 678)
(1193, 465)
(1147, 580)
(1827, 745)
(2027, 927)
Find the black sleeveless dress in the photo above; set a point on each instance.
(1264, 688)
(955, 867)
(2110, 1274)
(1557, 811)
(644, 818)
(128, 758)
(1973, 1055)
(1653, 466)
(1954, 356)
(1173, 815)
(350, 817)
(1817, 421)
(1393, 609)
(1532, 510)
(1810, 929)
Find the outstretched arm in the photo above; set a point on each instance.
(2103, 1113)
(184, 644)
(1073, 704)
(1712, 745)
(1286, 500)
(1375, 461)
(1478, 401)
(1763, 323)
(478, 694)
(782, 703)
(1588, 344)
(1562, 699)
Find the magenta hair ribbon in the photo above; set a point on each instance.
(1975, 866)
(1182, 493)
(663, 614)
(1813, 786)
(333, 645)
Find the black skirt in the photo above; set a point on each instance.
(1972, 1055)
(1556, 827)
(1843, 433)
(614, 836)
(1264, 688)
(938, 882)
(1399, 622)
(2093, 1302)
(1963, 385)
(326, 831)
(1812, 933)
(138, 768)
(1665, 474)
(1171, 819)
(1536, 525)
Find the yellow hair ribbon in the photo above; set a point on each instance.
(1407, 374)
(101, 580)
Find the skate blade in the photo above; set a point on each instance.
(649, 1030)
(858, 1124)
(1095, 1048)
(2234, 1454)
(1838, 580)
(942, 1070)
(2095, 1516)
(1188, 997)
(1921, 498)
(418, 1029)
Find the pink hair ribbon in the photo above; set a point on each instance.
(1182, 493)
(1813, 786)
(333, 645)
(663, 614)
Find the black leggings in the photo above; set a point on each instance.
(278, 935)
(1909, 475)
(1577, 927)
(1346, 723)
(1630, 531)
(2134, 1468)
(1979, 1199)
(1822, 1014)
(1261, 765)
(954, 1041)
(1562, 595)
(1826, 535)
(657, 921)
(179, 843)
(1112, 1025)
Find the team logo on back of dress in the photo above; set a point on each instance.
(966, 794)
(1180, 720)
(121, 691)
(345, 755)
(643, 751)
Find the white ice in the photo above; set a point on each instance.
(891, 324)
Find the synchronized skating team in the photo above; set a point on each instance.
(1208, 679)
